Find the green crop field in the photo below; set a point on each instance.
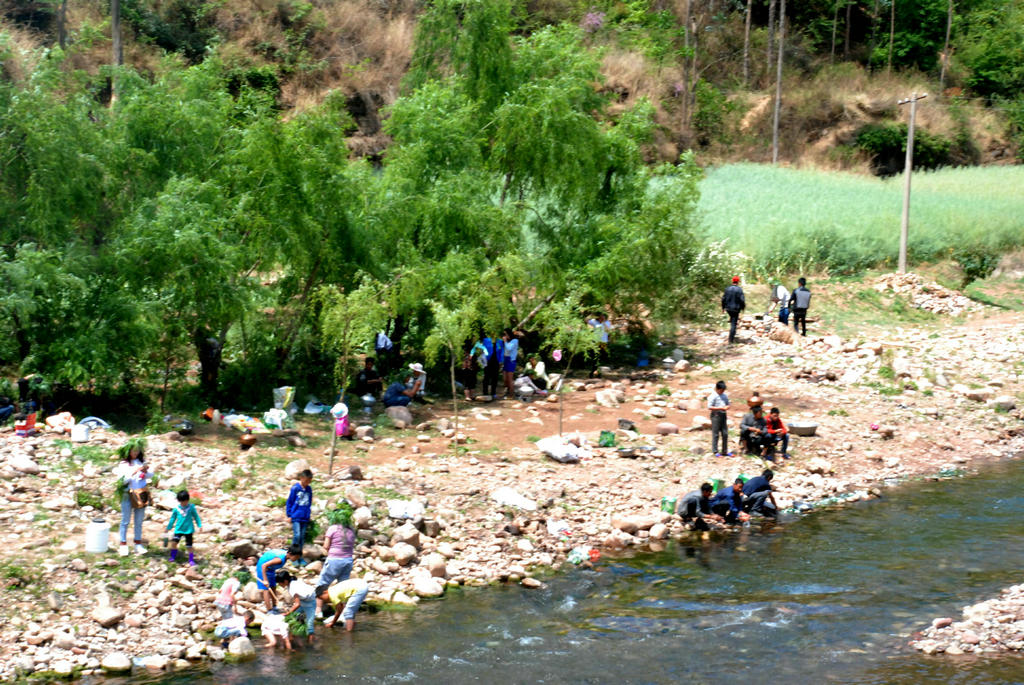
(789, 220)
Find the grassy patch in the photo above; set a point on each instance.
(803, 220)
(838, 412)
(89, 498)
(381, 492)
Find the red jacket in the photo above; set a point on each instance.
(775, 426)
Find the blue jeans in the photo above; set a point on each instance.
(308, 608)
(299, 531)
(127, 514)
(784, 316)
(353, 604)
(335, 569)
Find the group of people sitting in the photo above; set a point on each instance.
(493, 355)
(730, 504)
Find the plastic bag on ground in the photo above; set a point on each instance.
(315, 406)
(283, 397)
(405, 509)
(510, 498)
(559, 450)
(277, 418)
(557, 528)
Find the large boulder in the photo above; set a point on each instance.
(107, 616)
(609, 397)
(819, 465)
(400, 416)
(436, 564)
(251, 592)
(700, 422)
(666, 428)
(23, 463)
(408, 534)
(221, 474)
(782, 333)
(362, 517)
(426, 586)
(404, 553)
(294, 468)
(116, 662)
(241, 648)
(1003, 403)
(241, 549)
(625, 524)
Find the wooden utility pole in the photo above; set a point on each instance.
(945, 50)
(905, 223)
(770, 43)
(778, 83)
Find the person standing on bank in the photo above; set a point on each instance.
(780, 297)
(133, 474)
(718, 405)
(800, 302)
(733, 302)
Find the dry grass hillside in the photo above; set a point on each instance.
(363, 47)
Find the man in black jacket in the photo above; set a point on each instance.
(799, 303)
(733, 302)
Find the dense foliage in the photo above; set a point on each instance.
(189, 220)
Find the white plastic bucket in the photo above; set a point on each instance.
(80, 432)
(97, 536)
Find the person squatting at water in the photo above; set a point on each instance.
(758, 497)
(695, 506)
(728, 502)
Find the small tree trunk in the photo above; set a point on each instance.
(874, 35)
(835, 22)
(62, 25)
(455, 402)
(945, 48)
(892, 36)
(846, 40)
(115, 36)
(210, 351)
(770, 46)
(746, 46)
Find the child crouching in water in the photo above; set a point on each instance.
(185, 521)
(233, 627)
(342, 600)
(303, 599)
(274, 626)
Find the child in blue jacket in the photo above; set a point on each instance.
(300, 501)
(185, 521)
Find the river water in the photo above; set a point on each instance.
(831, 596)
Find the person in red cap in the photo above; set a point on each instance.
(733, 302)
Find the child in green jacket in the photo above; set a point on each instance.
(185, 521)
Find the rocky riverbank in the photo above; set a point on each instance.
(995, 625)
(890, 406)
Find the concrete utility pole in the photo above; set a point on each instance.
(778, 84)
(905, 223)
